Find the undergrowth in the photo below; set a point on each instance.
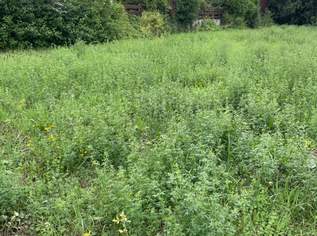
(191, 134)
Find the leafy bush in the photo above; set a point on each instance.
(265, 19)
(234, 21)
(99, 21)
(47, 23)
(153, 24)
(207, 25)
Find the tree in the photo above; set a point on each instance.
(187, 11)
(293, 11)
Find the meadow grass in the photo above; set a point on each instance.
(191, 134)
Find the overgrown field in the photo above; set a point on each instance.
(193, 134)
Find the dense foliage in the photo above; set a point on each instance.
(42, 23)
(196, 134)
(294, 11)
(187, 11)
(151, 5)
(238, 12)
(45, 23)
(245, 9)
(152, 24)
(297, 12)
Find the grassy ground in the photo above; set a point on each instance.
(193, 134)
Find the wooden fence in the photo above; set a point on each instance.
(209, 12)
(134, 9)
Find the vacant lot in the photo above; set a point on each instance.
(193, 134)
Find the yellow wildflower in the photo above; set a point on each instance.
(29, 143)
(51, 138)
(123, 217)
(116, 220)
(123, 231)
(308, 143)
(49, 127)
(87, 233)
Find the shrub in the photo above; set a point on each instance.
(47, 23)
(207, 25)
(234, 21)
(153, 24)
(265, 19)
(99, 21)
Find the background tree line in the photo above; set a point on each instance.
(294, 11)
(43, 23)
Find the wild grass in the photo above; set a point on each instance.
(191, 134)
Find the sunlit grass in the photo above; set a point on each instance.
(192, 134)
